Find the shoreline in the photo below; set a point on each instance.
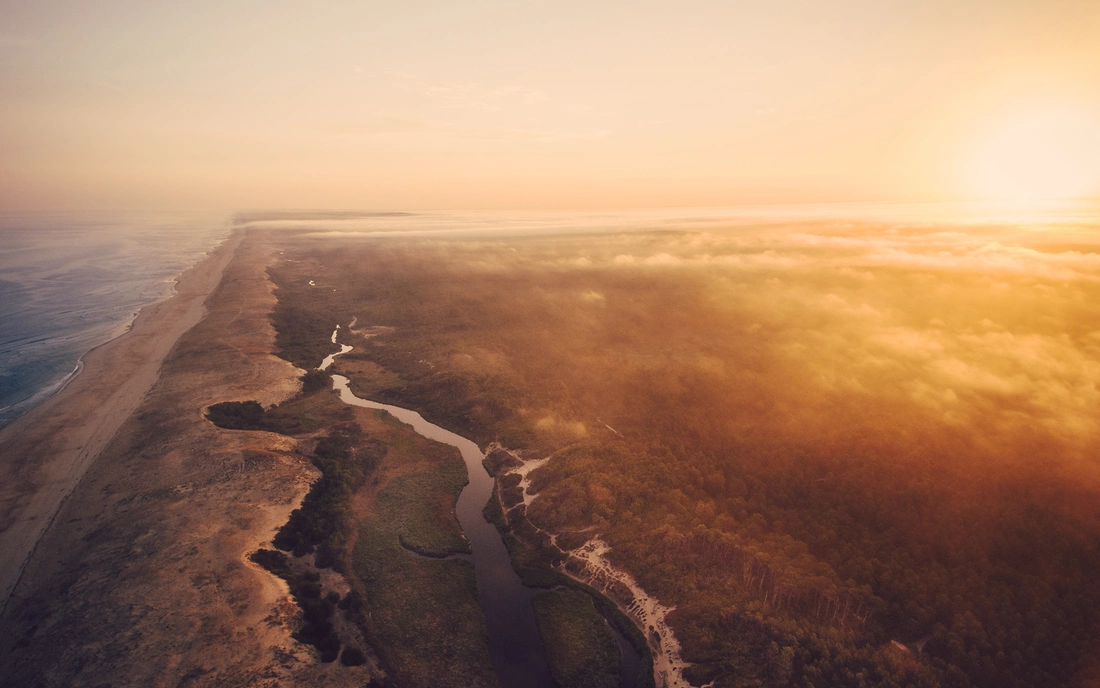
(44, 394)
(51, 445)
(143, 578)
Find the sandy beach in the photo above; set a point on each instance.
(47, 451)
(141, 576)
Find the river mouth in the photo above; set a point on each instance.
(515, 644)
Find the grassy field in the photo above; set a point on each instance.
(422, 611)
(421, 508)
(579, 646)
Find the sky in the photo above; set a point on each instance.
(496, 104)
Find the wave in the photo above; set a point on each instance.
(71, 284)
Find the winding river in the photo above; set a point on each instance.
(515, 645)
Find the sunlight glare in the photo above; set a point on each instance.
(1036, 155)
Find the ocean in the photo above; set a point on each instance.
(69, 283)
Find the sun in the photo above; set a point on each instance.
(1036, 154)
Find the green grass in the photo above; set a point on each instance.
(579, 645)
(422, 613)
(421, 508)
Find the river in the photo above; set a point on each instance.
(515, 644)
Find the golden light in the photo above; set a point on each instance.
(1037, 154)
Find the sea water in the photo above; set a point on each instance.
(69, 283)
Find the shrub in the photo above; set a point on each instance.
(352, 601)
(273, 561)
(302, 548)
(329, 647)
(315, 381)
(352, 656)
(237, 415)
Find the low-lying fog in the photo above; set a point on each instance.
(980, 332)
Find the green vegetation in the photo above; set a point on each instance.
(498, 459)
(422, 505)
(408, 603)
(238, 415)
(345, 459)
(305, 587)
(352, 656)
(307, 412)
(315, 381)
(752, 448)
(297, 325)
(425, 608)
(579, 646)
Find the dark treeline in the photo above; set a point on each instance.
(809, 532)
(345, 457)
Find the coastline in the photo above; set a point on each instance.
(43, 395)
(143, 577)
(73, 283)
(52, 444)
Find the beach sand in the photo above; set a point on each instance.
(142, 576)
(47, 451)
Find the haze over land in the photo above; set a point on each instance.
(814, 438)
(778, 325)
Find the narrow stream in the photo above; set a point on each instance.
(630, 662)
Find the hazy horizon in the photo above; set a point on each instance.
(785, 312)
(493, 105)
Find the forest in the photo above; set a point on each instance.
(856, 455)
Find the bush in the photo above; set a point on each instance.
(325, 557)
(329, 647)
(237, 415)
(273, 561)
(352, 656)
(352, 601)
(302, 549)
(315, 381)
